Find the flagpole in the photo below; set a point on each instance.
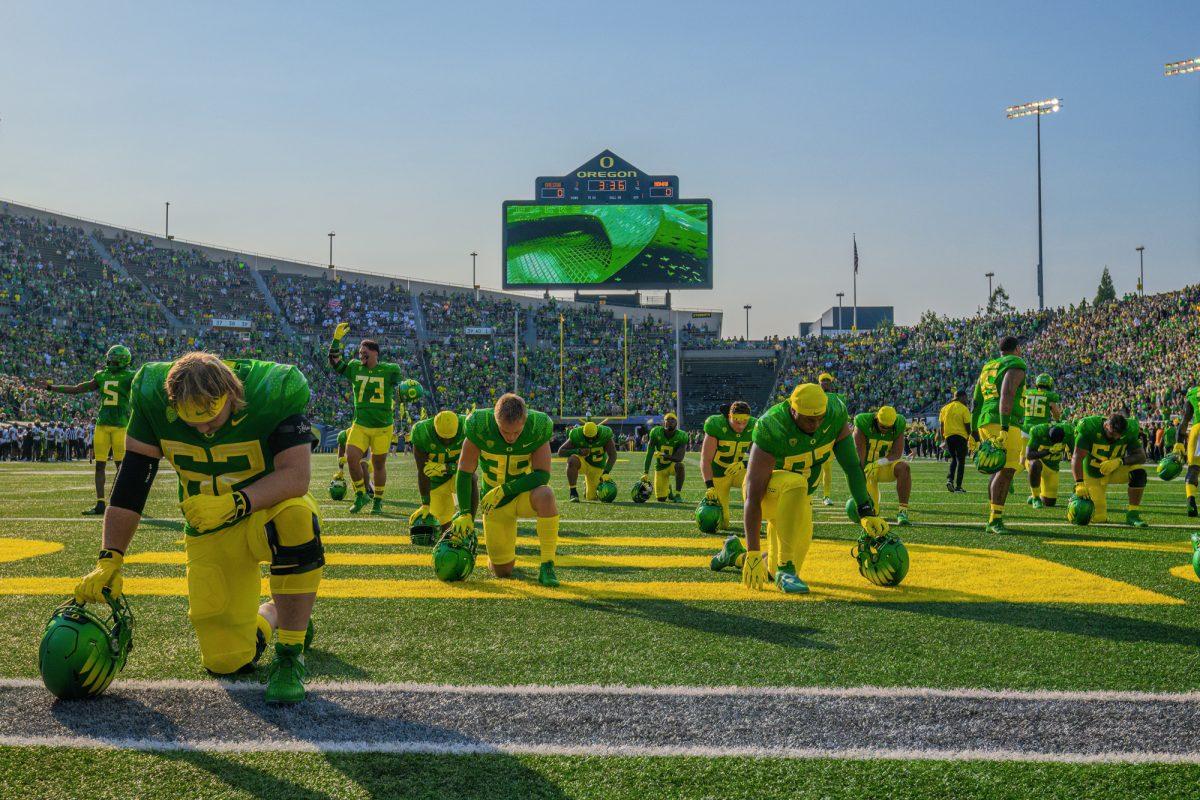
(625, 341)
(560, 366)
(854, 319)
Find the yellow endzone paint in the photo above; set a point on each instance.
(20, 549)
(1186, 572)
(1153, 547)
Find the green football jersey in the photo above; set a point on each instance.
(1037, 404)
(425, 438)
(113, 386)
(987, 392)
(1039, 439)
(1089, 435)
(592, 451)
(732, 447)
(343, 435)
(374, 391)
(793, 449)
(236, 455)
(500, 461)
(663, 445)
(878, 444)
(1193, 398)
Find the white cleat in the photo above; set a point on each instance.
(826, 502)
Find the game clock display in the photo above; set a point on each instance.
(615, 245)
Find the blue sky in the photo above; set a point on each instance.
(404, 127)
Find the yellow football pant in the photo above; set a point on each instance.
(827, 478)
(1014, 444)
(1096, 489)
(591, 478)
(662, 481)
(1049, 483)
(724, 485)
(106, 440)
(441, 502)
(884, 474)
(377, 440)
(787, 509)
(225, 581)
(1193, 446)
(500, 531)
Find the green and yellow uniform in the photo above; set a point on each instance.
(659, 449)
(374, 390)
(729, 461)
(593, 456)
(1036, 405)
(501, 462)
(441, 451)
(1089, 435)
(986, 417)
(108, 438)
(223, 574)
(879, 444)
(1039, 439)
(343, 438)
(799, 458)
(1193, 439)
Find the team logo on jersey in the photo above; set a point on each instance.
(792, 441)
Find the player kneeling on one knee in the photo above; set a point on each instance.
(791, 442)
(1109, 451)
(236, 434)
(510, 445)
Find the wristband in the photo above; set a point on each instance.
(708, 484)
(424, 499)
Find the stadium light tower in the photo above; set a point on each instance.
(1182, 67)
(331, 234)
(1141, 251)
(1037, 109)
(989, 276)
(747, 307)
(474, 281)
(167, 221)
(840, 295)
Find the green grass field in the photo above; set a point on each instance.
(1049, 607)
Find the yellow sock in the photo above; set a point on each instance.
(547, 533)
(378, 491)
(997, 512)
(291, 637)
(1135, 506)
(904, 506)
(359, 486)
(1189, 490)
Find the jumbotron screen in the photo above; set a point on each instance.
(619, 246)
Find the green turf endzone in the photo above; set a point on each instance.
(997, 645)
(96, 774)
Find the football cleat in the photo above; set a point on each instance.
(1191, 507)
(546, 576)
(902, 519)
(674, 497)
(361, 500)
(827, 502)
(1036, 502)
(996, 526)
(949, 486)
(788, 582)
(285, 681)
(1134, 519)
(730, 552)
(377, 505)
(95, 511)
(574, 496)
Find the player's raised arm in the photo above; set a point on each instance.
(335, 347)
(133, 484)
(78, 388)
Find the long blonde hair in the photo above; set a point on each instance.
(200, 379)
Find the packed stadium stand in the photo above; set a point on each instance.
(70, 288)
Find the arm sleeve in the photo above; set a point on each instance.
(526, 483)
(649, 455)
(290, 432)
(847, 458)
(133, 483)
(464, 488)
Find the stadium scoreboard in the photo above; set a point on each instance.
(607, 225)
(607, 178)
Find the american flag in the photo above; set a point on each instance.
(855, 238)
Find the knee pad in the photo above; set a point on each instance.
(297, 555)
(229, 662)
(1137, 479)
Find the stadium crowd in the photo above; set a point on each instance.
(61, 307)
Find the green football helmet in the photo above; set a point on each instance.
(882, 560)
(410, 390)
(454, 562)
(708, 516)
(990, 458)
(1196, 554)
(641, 491)
(1170, 467)
(337, 489)
(606, 491)
(424, 530)
(118, 356)
(852, 511)
(1080, 510)
(1044, 381)
(82, 650)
